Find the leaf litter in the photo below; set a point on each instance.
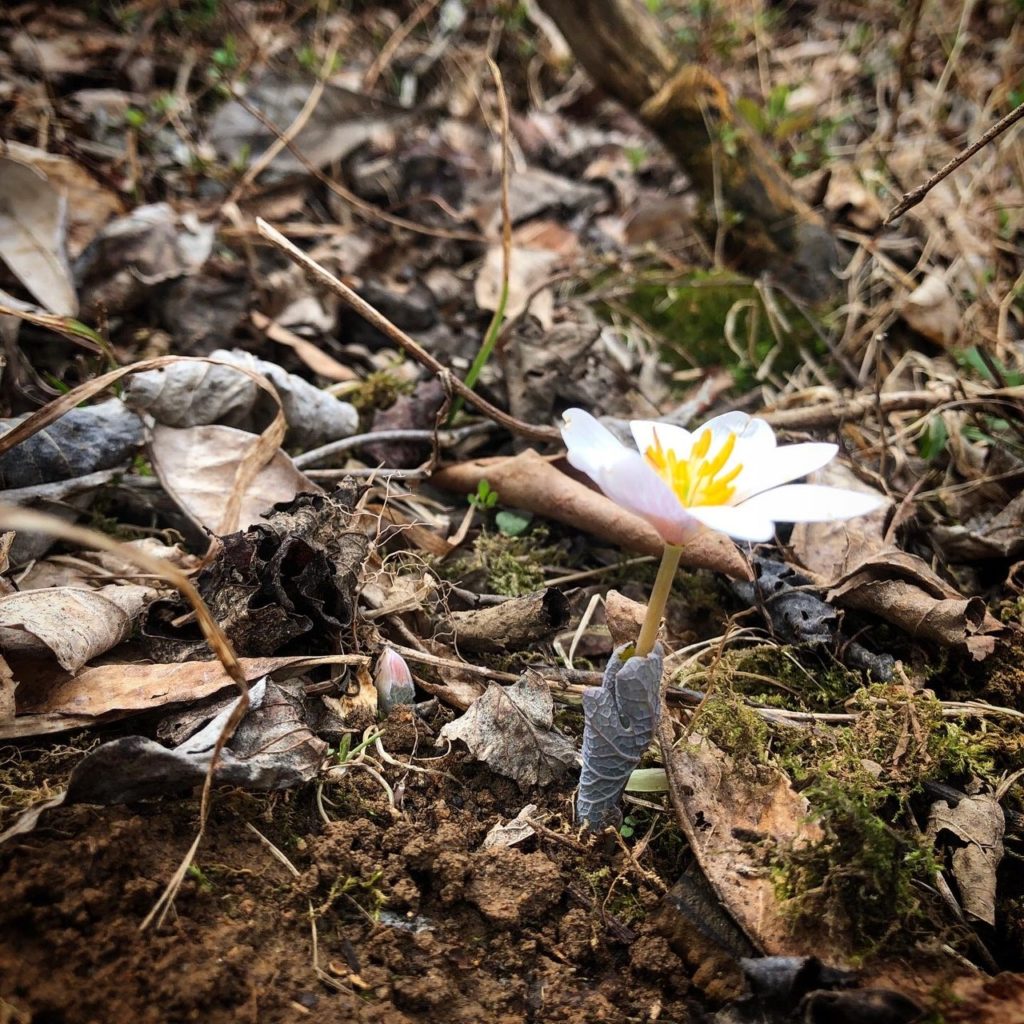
(841, 723)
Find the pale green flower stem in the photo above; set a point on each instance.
(659, 598)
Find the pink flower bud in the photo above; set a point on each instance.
(393, 680)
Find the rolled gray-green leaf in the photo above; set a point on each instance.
(620, 717)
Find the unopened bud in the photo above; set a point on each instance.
(392, 680)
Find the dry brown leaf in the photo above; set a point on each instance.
(992, 533)
(931, 310)
(198, 465)
(89, 204)
(511, 729)
(312, 355)
(514, 625)
(8, 684)
(33, 228)
(528, 270)
(57, 701)
(530, 482)
(255, 458)
(512, 832)
(423, 537)
(624, 617)
(900, 588)
(85, 568)
(71, 624)
(734, 819)
(976, 824)
(847, 200)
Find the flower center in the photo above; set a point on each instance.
(697, 480)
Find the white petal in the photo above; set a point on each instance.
(779, 466)
(757, 436)
(754, 448)
(673, 438)
(737, 522)
(727, 423)
(634, 485)
(590, 444)
(811, 503)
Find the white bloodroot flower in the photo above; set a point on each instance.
(727, 475)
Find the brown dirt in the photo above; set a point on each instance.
(464, 934)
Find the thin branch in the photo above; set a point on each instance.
(400, 338)
(914, 196)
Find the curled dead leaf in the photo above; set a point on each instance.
(900, 588)
(71, 624)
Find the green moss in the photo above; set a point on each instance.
(363, 894)
(861, 878)
(779, 676)
(692, 313)
(510, 565)
(378, 390)
(729, 723)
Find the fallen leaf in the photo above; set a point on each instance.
(849, 202)
(133, 254)
(71, 624)
(103, 692)
(293, 574)
(81, 442)
(8, 684)
(932, 311)
(972, 830)
(197, 467)
(511, 729)
(313, 356)
(513, 625)
(33, 229)
(624, 617)
(86, 569)
(902, 589)
(418, 411)
(796, 614)
(532, 192)
(575, 363)
(271, 749)
(528, 269)
(512, 832)
(64, 499)
(528, 481)
(194, 393)
(993, 533)
(734, 819)
(340, 122)
(89, 204)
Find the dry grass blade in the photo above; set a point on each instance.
(12, 518)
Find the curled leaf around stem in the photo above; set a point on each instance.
(620, 719)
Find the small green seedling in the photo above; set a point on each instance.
(484, 498)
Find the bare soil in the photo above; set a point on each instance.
(463, 933)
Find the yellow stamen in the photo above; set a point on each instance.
(696, 479)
